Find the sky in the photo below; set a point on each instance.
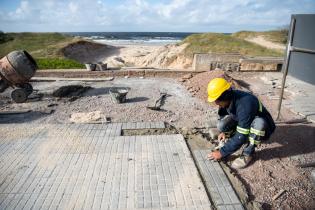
(149, 15)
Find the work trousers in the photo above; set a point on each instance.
(259, 131)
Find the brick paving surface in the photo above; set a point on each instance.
(91, 166)
(217, 183)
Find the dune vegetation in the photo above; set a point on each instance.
(44, 47)
(277, 36)
(225, 43)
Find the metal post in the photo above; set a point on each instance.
(286, 66)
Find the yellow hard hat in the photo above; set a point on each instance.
(216, 87)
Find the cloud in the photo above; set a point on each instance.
(149, 15)
(73, 7)
(23, 13)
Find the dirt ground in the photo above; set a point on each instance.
(275, 167)
(277, 159)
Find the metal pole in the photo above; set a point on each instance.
(286, 65)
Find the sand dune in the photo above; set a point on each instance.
(166, 57)
(89, 52)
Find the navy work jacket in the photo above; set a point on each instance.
(243, 108)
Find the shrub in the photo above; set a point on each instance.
(58, 63)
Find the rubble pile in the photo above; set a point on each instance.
(197, 85)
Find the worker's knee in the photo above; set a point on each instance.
(226, 124)
(259, 124)
(258, 130)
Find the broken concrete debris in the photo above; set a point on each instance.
(86, 117)
(70, 91)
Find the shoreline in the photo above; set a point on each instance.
(120, 43)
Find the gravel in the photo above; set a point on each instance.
(180, 109)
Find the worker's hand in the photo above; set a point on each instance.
(221, 137)
(215, 155)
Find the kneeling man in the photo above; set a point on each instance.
(241, 116)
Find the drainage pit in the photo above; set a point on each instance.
(150, 131)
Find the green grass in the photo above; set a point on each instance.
(44, 47)
(278, 36)
(221, 43)
(37, 44)
(58, 63)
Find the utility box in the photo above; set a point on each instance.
(301, 59)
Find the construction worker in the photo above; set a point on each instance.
(242, 117)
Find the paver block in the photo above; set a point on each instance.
(217, 183)
(93, 167)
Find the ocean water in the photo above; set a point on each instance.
(130, 38)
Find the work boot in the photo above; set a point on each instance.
(241, 162)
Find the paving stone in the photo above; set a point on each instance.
(218, 185)
(93, 167)
(301, 101)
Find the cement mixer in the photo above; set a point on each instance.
(16, 70)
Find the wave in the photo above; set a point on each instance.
(137, 41)
(133, 37)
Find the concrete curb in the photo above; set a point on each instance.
(78, 73)
(216, 182)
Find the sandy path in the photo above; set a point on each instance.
(260, 40)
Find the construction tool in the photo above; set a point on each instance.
(160, 102)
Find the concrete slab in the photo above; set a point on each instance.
(92, 167)
(217, 183)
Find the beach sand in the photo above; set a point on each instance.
(161, 56)
(126, 55)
